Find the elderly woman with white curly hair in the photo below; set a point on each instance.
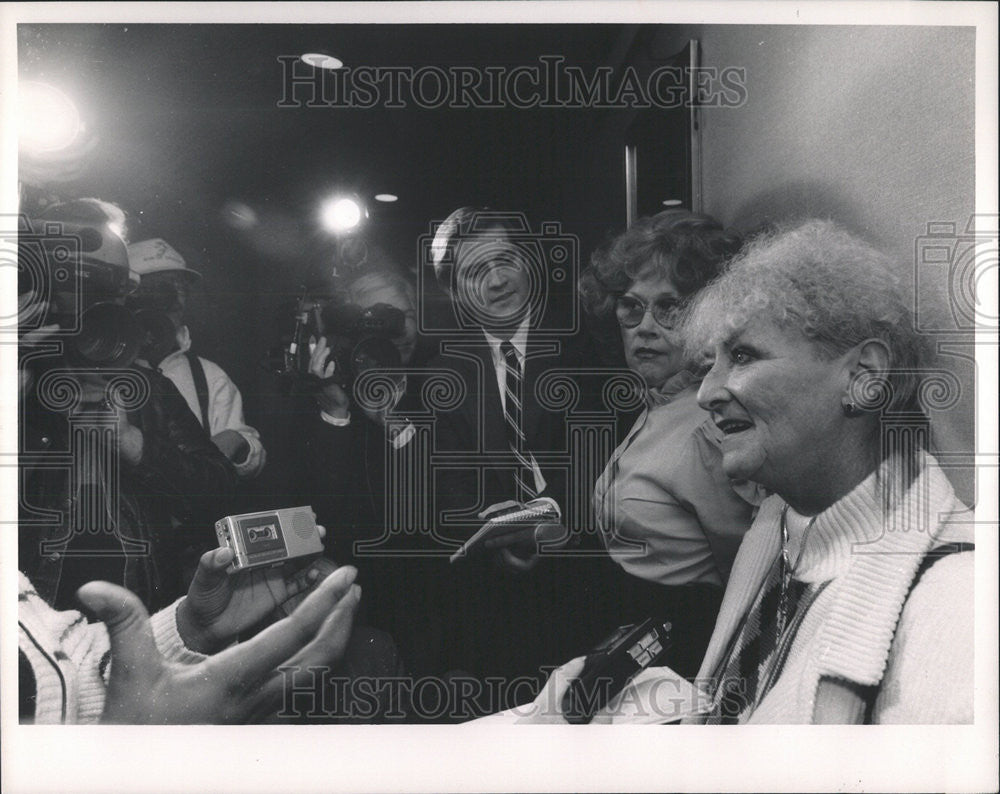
(851, 597)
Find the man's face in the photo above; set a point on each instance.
(493, 280)
(169, 289)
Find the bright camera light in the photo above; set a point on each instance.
(319, 60)
(47, 119)
(340, 214)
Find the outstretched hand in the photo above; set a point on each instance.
(243, 683)
(220, 605)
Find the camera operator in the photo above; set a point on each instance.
(210, 393)
(348, 449)
(101, 512)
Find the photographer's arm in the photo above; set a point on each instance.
(230, 433)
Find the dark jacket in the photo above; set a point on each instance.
(498, 622)
(77, 523)
(346, 473)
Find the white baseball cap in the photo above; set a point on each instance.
(157, 256)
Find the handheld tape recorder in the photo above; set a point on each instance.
(269, 537)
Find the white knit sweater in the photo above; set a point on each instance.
(866, 627)
(70, 658)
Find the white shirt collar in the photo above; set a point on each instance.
(519, 340)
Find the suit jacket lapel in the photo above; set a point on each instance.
(541, 356)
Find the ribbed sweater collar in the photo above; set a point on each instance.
(871, 555)
(874, 554)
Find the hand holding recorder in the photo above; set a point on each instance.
(221, 604)
(239, 684)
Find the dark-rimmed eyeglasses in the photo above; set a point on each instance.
(630, 311)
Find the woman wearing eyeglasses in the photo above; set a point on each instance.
(670, 517)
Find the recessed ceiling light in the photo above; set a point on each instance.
(320, 60)
(386, 197)
(672, 203)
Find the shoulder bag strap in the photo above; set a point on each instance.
(201, 387)
(844, 702)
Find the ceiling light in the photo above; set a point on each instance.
(238, 215)
(672, 203)
(320, 60)
(388, 198)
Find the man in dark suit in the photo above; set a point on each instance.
(511, 610)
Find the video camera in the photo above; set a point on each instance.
(153, 309)
(359, 339)
(80, 272)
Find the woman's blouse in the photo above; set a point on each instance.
(666, 509)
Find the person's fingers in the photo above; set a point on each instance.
(550, 698)
(211, 571)
(512, 536)
(321, 529)
(569, 672)
(496, 508)
(136, 660)
(327, 648)
(247, 663)
(546, 708)
(519, 564)
(299, 578)
(216, 560)
(319, 656)
(551, 535)
(318, 356)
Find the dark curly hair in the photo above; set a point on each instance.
(687, 248)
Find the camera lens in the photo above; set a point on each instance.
(374, 352)
(110, 336)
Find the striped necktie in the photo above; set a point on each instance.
(524, 476)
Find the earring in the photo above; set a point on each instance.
(851, 410)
